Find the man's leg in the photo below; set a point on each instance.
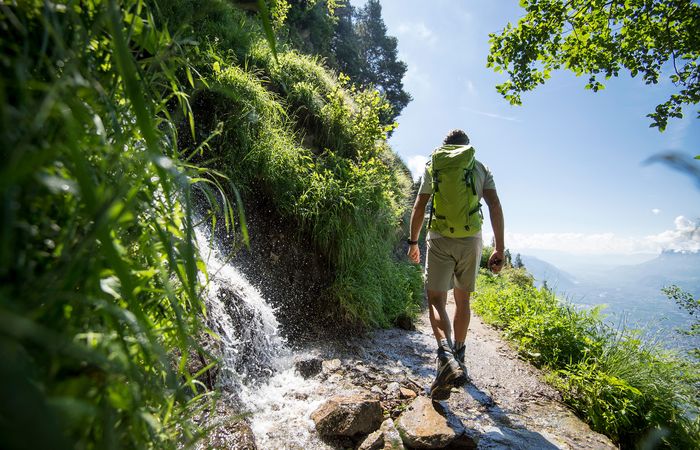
(462, 314)
(461, 325)
(449, 372)
(465, 274)
(439, 268)
(439, 319)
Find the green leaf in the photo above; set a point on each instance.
(267, 26)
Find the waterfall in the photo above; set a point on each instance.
(256, 363)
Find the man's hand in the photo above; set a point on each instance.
(416, 224)
(496, 261)
(414, 253)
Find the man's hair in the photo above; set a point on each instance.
(456, 137)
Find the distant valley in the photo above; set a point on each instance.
(632, 293)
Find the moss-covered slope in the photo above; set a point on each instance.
(303, 137)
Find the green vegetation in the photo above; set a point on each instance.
(100, 298)
(315, 145)
(110, 110)
(632, 391)
(691, 305)
(601, 37)
(354, 42)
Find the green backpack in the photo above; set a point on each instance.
(455, 210)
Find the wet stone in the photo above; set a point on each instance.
(331, 365)
(407, 393)
(375, 441)
(393, 389)
(392, 437)
(309, 367)
(386, 437)
(348, 416)
(422, 426)
(228, 432)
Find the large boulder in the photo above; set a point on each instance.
(348, 416)
(422, 426)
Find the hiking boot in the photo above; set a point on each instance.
(459, 357)
(448, 374)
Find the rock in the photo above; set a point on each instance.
(421, 426)
(361, 369)
(348, 416)
(392, 438)
(309, 367)
(468, 440)
(228, 430)
(408, 393)
(375, 441)
(405, 322)
(376, 390)
(331, 365)
(393, 389)
(385, 438)
(244, 437)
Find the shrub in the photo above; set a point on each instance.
(632, 391)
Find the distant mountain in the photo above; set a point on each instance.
(681, 268)
(632, 293)
(556, 278)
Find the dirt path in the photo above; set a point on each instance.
(506, 403)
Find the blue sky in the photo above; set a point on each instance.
(568, 164)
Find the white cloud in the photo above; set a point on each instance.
(685, 236)
(416, 164)
(578, 243)
(656, 211)
(417, 30)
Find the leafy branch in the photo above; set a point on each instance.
(602, 36)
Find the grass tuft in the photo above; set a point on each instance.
(633, 391)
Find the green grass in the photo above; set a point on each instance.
(634, 392)
(100, 291)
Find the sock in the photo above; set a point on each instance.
(459, 345)
(445, 346)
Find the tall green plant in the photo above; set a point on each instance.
(97, 258)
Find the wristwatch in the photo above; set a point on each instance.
(410, 242)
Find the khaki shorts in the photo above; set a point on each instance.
(452, 262)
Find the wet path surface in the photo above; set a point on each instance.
(506, 405)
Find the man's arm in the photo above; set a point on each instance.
(496, 214)
(416, 224)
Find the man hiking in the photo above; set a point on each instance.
(456, 182)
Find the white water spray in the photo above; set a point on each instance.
(256, 364)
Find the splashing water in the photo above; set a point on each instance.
(256, 363)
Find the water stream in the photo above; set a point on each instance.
(257, 365)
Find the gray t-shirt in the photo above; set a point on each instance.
(483, 179)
